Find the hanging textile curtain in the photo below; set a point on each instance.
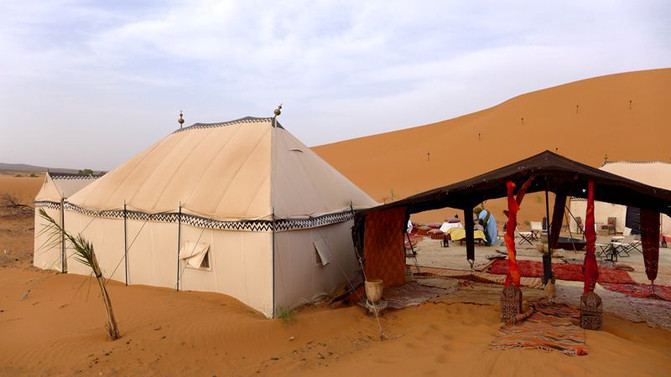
(509, 238)
(650, 242)
(383, 246)
(591, 271)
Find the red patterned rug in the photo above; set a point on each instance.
(550, 328)
(562, 271)
(641, 290)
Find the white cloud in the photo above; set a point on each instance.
(96, 71)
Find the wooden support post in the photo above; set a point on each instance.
(179, 239)
(557, 218)
(125, 239)
(547, 257)
(470, 241)
(64, 255)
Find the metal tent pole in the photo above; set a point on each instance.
(179, 239)
(125, 239)
(64, 259)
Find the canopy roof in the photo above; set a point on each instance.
(551, 171)
(250, 168)
(59, 186)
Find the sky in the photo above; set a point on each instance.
(89, 84)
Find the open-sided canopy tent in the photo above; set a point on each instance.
(256, 214)
(653, 173)
(56, 188)
(551, 172)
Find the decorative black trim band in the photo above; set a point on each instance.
(67, 176)
(229, 123)
(47, 204)
(203, 222)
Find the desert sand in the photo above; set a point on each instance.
(585, 121)
(52, 324)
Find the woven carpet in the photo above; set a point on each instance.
(483, 277)
(562, 271)
(549, 328)
(641, 290)
(411, 294)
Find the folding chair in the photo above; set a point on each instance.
(536, 230)
(602, 250)
(525, 237)
(631, 246)
(620, 249)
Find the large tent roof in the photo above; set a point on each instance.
(250, 168)
(653, 173)
(551, 171)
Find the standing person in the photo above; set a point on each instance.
(488, 222)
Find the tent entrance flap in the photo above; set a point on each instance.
(194, 253)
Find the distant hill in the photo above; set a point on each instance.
(619, 117)
(24, 168)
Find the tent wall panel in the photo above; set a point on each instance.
(602, 211)
(163, 254)
(141, 267)
(106, 235)
(240, 266)
(47, 252)
(299, 276)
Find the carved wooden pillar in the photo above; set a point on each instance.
(511, 302)
(591, 311)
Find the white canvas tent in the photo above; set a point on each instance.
(653, 173)
(56, 188)
(257, 215)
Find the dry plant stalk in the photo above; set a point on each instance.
(85, 254)
(12, 204)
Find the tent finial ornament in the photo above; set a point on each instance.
(277, 112)
(181, 119)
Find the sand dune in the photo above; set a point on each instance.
(624, 116)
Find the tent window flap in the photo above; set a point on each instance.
(194, 254)
(322, 251)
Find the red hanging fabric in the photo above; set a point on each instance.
(511, 225)
(509, 237)
(650, 242)
(591, 270)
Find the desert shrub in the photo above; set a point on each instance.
(287, 316)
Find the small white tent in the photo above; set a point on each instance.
(56, 188)
(241, 208)
(653, 173)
